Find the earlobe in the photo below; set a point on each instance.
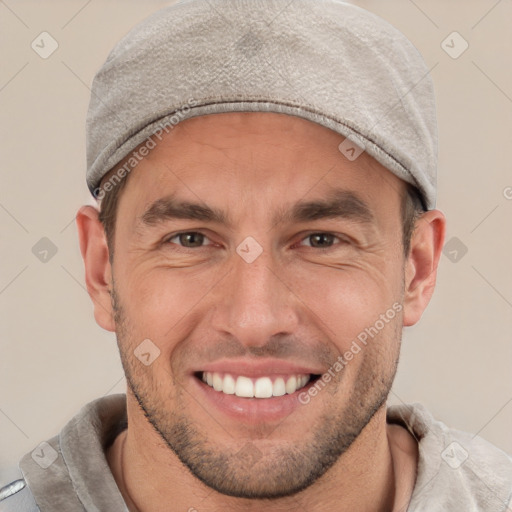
(421, 265)
(98, 271)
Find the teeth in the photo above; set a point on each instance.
(260, 388)
(291, 385)
(279, 387)
(263, 388)
(229, 385)
(217, 382)
(244, 387)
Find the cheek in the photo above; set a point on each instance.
(167, 305)
(163, 304)
(346, 300)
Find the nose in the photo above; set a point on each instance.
(254, 302)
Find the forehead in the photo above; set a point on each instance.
(254, 157)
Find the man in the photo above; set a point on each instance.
(266, 176)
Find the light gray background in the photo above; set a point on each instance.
(54, 358)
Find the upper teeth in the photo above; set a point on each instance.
(262, 387)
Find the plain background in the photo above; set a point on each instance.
(54, 358)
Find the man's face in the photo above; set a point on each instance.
(209, 306)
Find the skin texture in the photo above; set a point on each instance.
(297, 302)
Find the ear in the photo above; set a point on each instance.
(421, 264)
(98, 272)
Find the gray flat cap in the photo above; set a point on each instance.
(327, 61)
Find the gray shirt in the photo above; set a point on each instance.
(456, 470)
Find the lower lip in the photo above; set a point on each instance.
(251, 410)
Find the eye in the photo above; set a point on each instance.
(195, 239)
(323, 240)
(189, 239)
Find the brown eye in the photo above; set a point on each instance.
(325, 241)
(189, 239)
(321, 240)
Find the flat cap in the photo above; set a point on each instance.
(327, 61)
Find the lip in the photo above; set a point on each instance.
(248, 410)
(251, 410)
(259, 368)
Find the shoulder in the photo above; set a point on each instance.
(69, 472)
(17, 497)
(456, 470)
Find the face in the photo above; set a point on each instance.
(254, 256)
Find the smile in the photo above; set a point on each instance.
(261, 387)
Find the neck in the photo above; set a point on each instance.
(376, 474)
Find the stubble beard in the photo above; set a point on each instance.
(244, 471)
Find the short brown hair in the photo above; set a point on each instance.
(411, 209)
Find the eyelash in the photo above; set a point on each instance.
(342, 240)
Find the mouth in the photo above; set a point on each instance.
(261, 387)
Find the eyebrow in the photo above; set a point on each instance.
(338, 204)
